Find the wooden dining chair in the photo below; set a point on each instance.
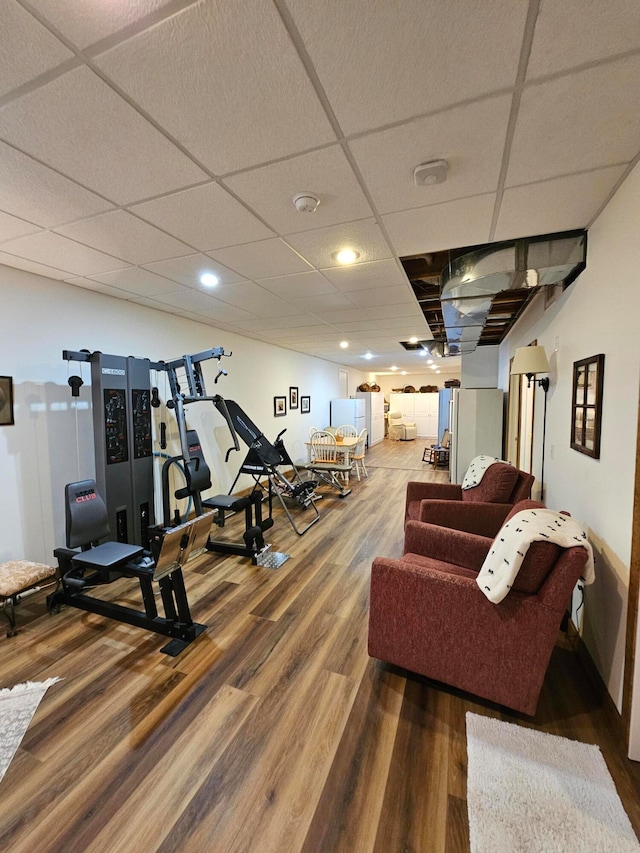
(357, 457)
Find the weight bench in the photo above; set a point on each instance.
(16, 578)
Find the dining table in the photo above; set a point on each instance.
(344, 449)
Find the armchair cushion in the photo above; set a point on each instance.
(496, 485)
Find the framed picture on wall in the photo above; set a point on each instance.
(305, 405)
(279, 406)
(6, 401)
(293, 397)
(586, 405)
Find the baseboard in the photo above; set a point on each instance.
(614, 717)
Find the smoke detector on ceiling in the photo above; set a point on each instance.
(427, 174)
(305, 202)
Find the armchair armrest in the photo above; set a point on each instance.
(483, 519)
(417, 491)
(449, 546)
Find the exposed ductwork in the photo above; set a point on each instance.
(471, 282)
(472, 297)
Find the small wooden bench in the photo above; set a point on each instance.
(16, 577)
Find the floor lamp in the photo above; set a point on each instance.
(530, 361)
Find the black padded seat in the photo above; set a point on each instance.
(109, 555)
(233, 503)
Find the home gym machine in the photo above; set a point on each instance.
(122, 398)
(188, 369)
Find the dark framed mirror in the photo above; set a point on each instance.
(586, 405)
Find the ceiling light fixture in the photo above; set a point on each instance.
(344, 344)
(208, 279)
(393, 367)
(346, 256)
(305, 202)
(368, 356)
(413, 340)
(434, 172)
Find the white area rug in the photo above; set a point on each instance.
(17, 706)
(530, 791)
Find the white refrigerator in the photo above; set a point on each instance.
(348, 411)
(477, 416)
(373, 415)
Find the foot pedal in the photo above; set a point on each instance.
(268, 559)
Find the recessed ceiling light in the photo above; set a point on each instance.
(413, 340)
(344, 344)
(430, 361)
(393, 367)
(208, 279)
(368, 356)
(346, 256)
(437, 371)
(432, 366)
(404, 373)
(422, 353)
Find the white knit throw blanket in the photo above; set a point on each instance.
(476, 470)
(510, 547)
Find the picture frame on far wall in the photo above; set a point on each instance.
(586, 405)
(305, 405)
(6, 401)
(293, 397)
(279, 407)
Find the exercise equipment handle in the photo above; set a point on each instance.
(221, 405)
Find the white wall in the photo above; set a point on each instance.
(599, 313)
(52, 440)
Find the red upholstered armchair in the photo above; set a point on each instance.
(428, 615)
(480, 510)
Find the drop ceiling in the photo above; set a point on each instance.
(142, 143)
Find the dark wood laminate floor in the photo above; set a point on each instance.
(274, 731)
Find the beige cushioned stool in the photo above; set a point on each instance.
(18, 576)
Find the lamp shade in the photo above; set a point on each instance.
(530, 360)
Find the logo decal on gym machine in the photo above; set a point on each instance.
(81, 497)
(113, 371)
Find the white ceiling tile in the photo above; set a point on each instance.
(111, 150)
(323, 302)
(470, 138)
(261, 260)
(188, 270)
(226, 313)
(89, 22)
(348, 314)
(405, 310)
(31, 266)
(319, 246)
(297, 286)
(139, 282)
(259, 300)
(120, 234)
(367, 276)
(36, 193)
(556, 205)
(27, 49)
(326, 174)
(98, 287)
(357, 326)
(383, 62)
(579, 121)
(213, 96)
(51, 249)
(206, 217)
(12, 227)
(190, 300)
(567, 36)
(441, 226)
(390, 296)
